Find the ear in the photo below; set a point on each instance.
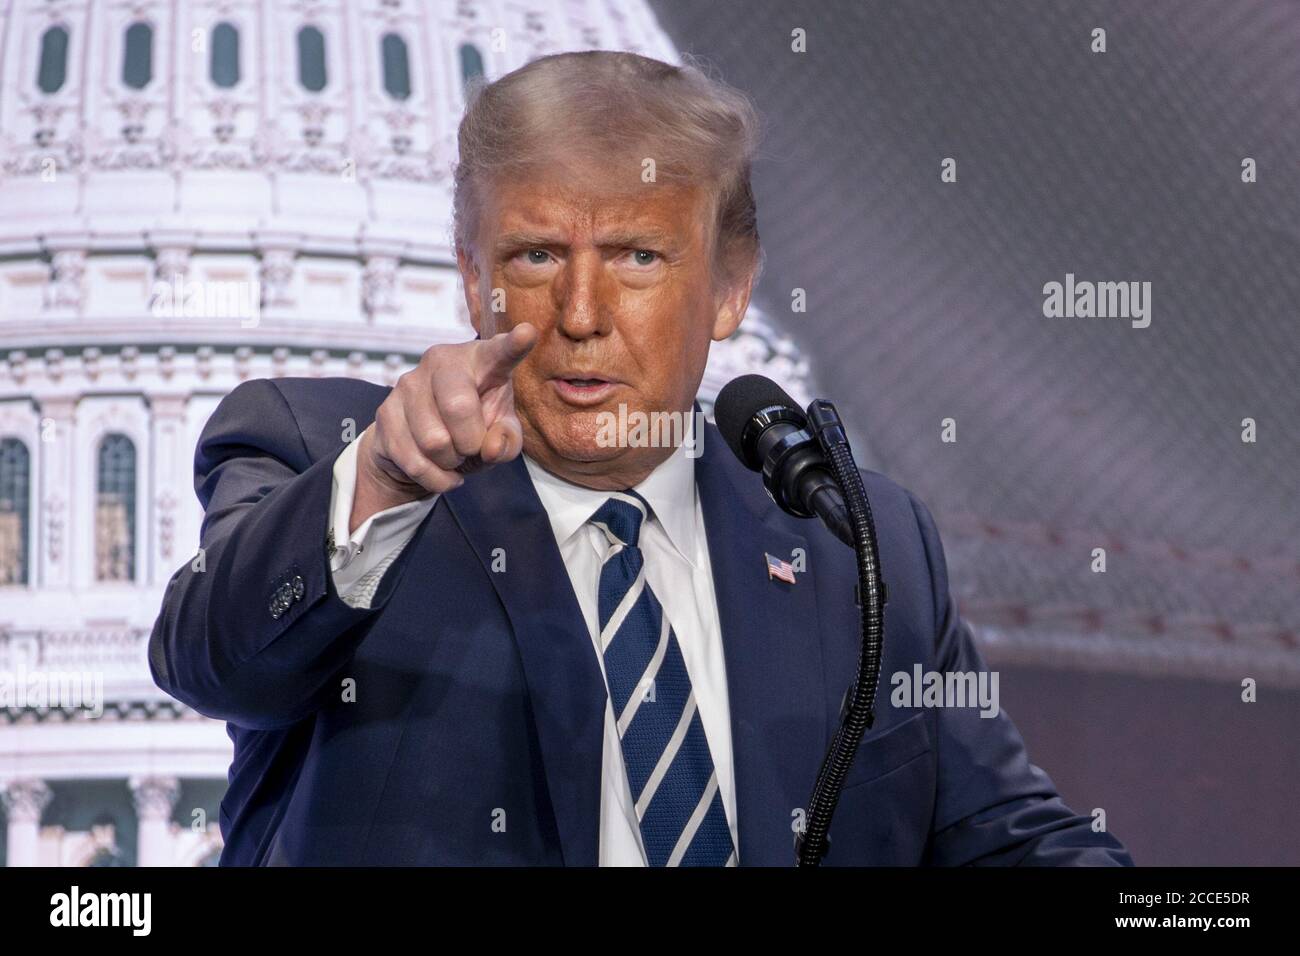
(732, 304)
(469, 274)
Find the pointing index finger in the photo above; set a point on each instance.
(498, 356)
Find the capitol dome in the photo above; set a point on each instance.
(192, 195)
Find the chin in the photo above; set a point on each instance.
(579, 440)
(574, 436)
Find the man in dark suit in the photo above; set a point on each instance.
(481, 632)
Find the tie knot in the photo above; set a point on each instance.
(620, 518)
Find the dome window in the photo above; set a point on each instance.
(397, 67)
(311, 59)
(53, 67)
(471, 65)
(115, 510)
(223, 65)
(15, 479)
(137, 65)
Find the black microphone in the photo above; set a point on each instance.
(767, 431)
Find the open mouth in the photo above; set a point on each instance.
(583, 391)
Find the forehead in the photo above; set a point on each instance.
(581, 203)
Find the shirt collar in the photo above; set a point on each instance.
(669, 490)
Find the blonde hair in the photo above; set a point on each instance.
(613, 108)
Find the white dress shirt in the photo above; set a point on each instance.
(677, 568)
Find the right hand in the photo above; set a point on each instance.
(451, 415)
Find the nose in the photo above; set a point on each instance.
(584, 296)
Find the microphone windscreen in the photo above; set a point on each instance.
(739, 401)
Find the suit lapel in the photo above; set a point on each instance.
(770, 634)
(562, 674)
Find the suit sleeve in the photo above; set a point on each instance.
(253, 631)
(994, 808)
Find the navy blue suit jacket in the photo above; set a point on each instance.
(479, 700)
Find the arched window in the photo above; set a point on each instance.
(223, 67)
(311, 59)
(53, 67)
(115, 510)
(397, 67)
(471, 64)
(137, 65)
(15, 480)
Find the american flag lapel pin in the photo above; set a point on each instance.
(781, 570)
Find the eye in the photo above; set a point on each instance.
(534, 254)
(639, 253)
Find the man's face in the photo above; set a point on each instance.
(618, 285)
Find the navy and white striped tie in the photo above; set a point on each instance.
(669, 766)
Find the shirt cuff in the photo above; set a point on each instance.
(377, 541)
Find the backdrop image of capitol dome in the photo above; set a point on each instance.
(193, 195)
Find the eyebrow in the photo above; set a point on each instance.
(634, 238)
(515, 239)
(637, 237)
